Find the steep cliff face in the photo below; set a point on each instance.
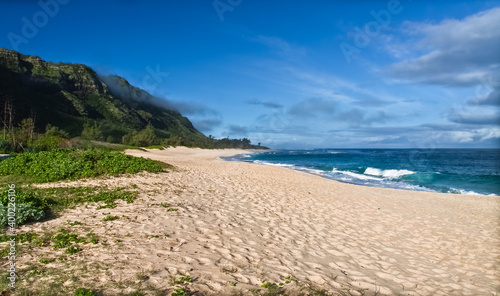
(70, 76)
(68, 95)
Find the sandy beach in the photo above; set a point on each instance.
(249, 224)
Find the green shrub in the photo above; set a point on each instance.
(24, 213)
(45, 142)
(20, 237)
(39, 203)
(27, 197)
(29, 207)
(53, 138)
(5, 146)
(63, 164)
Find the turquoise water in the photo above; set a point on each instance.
(462, 171)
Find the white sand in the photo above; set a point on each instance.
(247, 223)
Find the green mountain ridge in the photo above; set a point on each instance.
(71, 95)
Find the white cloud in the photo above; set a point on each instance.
(489, 133)
(474, 115)
(457, 53)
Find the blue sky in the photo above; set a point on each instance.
(290, 74)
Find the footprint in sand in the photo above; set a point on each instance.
(236, 240)
(188, 259)
(203, 230)
(204, 261)
(316, 279)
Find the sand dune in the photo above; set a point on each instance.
(249, 224)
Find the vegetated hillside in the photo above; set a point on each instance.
(71, 95)
(68, 95)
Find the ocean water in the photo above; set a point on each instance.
(461, 171)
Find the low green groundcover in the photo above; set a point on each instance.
(72, 164)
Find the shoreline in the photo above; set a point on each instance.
(306, 170)
(246, 224)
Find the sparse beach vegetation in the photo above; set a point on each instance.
(84, 292)
(36, 204)
(183, 279)
(110, 218)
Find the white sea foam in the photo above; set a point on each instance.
(462, 191)
(312, 171)
(389, 174)
(355, 175)
(275, 164)
(355, 178)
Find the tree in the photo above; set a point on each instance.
(246, 142)
(52, 138)
(28, 128)
(54, 131)
(144, 138)
(91, 132)
(127, 139)
(173, 140)
(7, 120)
